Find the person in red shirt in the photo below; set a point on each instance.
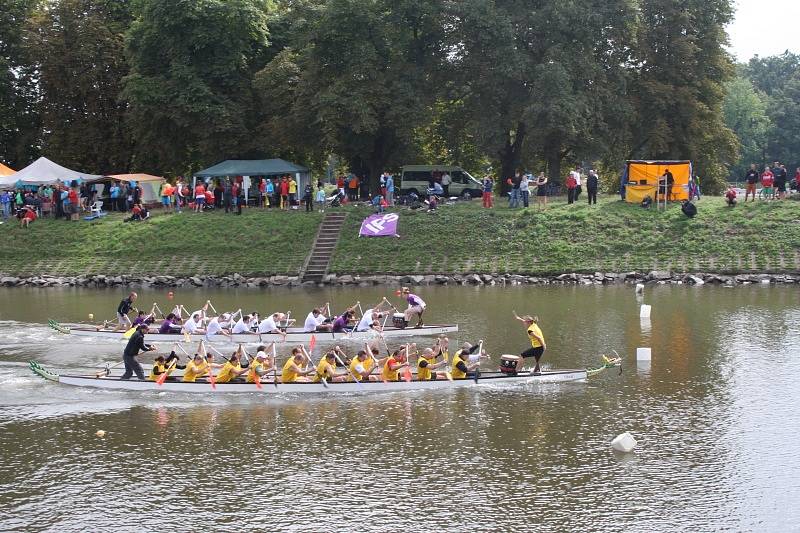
(797, 179)
(340, 184)
(235, 191)
(73, 202)
(767, 182)
(730, 196)
(28, 217)
(199, 196)
(262, 190)
(284, 193)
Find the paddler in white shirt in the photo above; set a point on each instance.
(242, 326)
(270, 324)
(373, 316)
(315, 321)
(216, 326)
(193, 324)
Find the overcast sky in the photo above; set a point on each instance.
(765, 28)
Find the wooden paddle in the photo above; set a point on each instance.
(274, 367)
(308, 356)
(407, 370)
(358, 381)
(163, 377)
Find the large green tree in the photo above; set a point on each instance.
(78, 50)
(19, 119)
(190, 92)
(745, 113)
(678, 85)
(356, 80)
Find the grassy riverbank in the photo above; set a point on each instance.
(611, 237)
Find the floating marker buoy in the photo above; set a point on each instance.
(100, 433)
(644, 311)
(639, 288)
(624, 443)
(91, 316)
(170, 295)
(643, 354)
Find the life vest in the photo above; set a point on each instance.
(456, 372)
(194, 371)
(160, 368)
(253, 369)
(387, 374)
(287, 374)
(324, 370)
(424, 373)
(227, 373)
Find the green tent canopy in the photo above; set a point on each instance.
(252, 167)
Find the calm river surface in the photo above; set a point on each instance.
(715, 414)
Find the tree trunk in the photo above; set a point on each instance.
(510, 156)
(552, 150)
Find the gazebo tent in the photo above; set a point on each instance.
(643, 176)
(150, 185)
(44, 172)
(257, 167)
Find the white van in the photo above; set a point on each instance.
(418, 178)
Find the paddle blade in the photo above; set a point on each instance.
(212, 380)
(407, 374)
(127, 334)
(449, 376)
(161, 378)
(187, 337)
(258, 382)
(312, 343)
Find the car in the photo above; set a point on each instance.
(418, 179)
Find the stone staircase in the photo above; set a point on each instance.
(318, 261)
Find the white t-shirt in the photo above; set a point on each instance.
(267, 325)
(366, 321)
(577, 175)
(446, 180)
(313, 321)
(523, 184)
(190, 326)
(241, 327)
(214, 327)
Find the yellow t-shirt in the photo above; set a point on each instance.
(424, 373)
(387, 374)
(157, 367)
(194, 370)
(227, 372)
(287, 374)
(366, 366)
(534, 329)
(251, 371)
(292, 187)
(324, 370)
(457, 373)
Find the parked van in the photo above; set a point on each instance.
(418, 178)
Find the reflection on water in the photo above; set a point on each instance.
(714, 415)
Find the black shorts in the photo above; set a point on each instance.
(541, 191)
(781, 186)
(536, 353)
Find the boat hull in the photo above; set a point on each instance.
(488, 379)
(292, 336)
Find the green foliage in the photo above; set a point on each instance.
(745, 113)
(189, 90)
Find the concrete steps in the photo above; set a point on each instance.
(318, 261)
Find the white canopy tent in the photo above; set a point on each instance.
(44, 172)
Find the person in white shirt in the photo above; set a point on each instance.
(242, 326)
(372, 317)
(577, 175)
(446, 181)
(270, 324)
(315, 321)
(217, 327)
(194, 323)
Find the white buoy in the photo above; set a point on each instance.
(644, 311)
(91, 316)
(624, 443)
(100, 433)
(639, 288)
(643, 354)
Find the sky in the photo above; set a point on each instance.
(765, 28)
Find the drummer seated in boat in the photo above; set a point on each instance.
(260, 366)
(326, 369)
(293, 371)
(361, 367)
(316, 321)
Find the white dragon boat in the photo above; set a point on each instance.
(293, 335)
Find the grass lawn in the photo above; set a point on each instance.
(167, 244)
(610, 237)
(464, 238)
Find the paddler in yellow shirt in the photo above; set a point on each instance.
(538, 346)
(293, 370)
(326, 369)
(461, 361)
(200, 365)
(394, 363)
(361, 366)
(427, 361)
(232, 368)
(260, 366)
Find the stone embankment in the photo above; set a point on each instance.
(236, 280)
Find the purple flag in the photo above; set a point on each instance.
(384, 225)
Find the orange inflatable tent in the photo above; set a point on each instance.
(643, 179)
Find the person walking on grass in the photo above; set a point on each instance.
(389, 189)
(578, 182)
(524, 190)
(592, 182)
(541, 192)
(572, 184)
(767, 182)
(321, 199)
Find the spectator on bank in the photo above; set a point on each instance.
(353, 188)
(488, 185)
(308, 197)
(74, 202)
(578, 182)
(340, 184)
(541, 191)
(592, 183)
(5, 203)
(524, 190)
(572, 185)
(179, 194)
(292, 192)
(446, 181)
(389, 189)
(321, 199)
(199, 196)
(767, 182)
(83, 192)
(284, 193)
(797, 179)
(779, 179)
(269, 192)
(750, 179)
(236, 193)
(163, 192)
(730, 196)
(514, 183)
(382, 184)
(26, 214)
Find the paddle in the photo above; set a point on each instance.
(445, 358)
(211, 306)
(358, 381)
(407, 370)
(478, 368)
(274, 367)
(128, 334)
(163, 377)
(312, 343)
(308, 357)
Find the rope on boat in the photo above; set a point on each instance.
(58, 327)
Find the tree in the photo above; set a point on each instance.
(745, 113)
(356, 80)
(19, 119)
(678, 86)
(77, 49)
(190, 88)
(542, 78)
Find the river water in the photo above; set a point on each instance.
(715, 415)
